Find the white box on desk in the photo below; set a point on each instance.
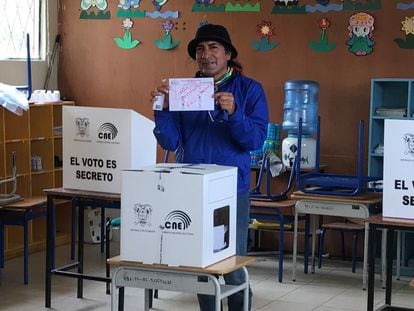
(179, 214)
(98, 143)
(398, 183)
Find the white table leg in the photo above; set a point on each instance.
(365, 263)
(313, 230)
(295, 246)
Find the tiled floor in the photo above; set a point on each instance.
(333, 287)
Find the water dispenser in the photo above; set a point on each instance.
(301, 102)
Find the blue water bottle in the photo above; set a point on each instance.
(301, 101)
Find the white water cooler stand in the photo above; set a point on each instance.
(308, 151)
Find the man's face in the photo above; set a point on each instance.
(212, 58)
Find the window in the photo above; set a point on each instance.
(20, 17)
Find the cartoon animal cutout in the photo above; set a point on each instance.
(100, 4)
(127, 4)
(159, 3)
(286, 2)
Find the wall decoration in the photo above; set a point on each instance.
(405, 6)
(101, 5)
(129, 8)
(264, 30)
(361, 27)
(324, 8)
(408, 27)
(126, 42)
(242, 8)
(322, 46)
(207, 6)
(128, 4)
(166, 43)
(288, 7)
(357, 5)
(167, 14)
(158, 4)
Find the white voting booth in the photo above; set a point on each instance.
(398, 189)
(98, 143)
(179, 214)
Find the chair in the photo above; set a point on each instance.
(276, 210)
(349, 225)
(19, 214)
(331, 184)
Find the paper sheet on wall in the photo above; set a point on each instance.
(191, 94)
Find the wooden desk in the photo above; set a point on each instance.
(379, 222)
(20, 213)
(80, 199)
(313, 204)
(180, 279)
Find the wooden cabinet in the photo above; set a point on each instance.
(390, 98)
(36, 139)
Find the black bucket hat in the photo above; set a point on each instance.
(210, 32)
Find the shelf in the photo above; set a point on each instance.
(17, 140)
(41, 172)
(384, 118)
(34, 139)
(389, 94)
(30, 136)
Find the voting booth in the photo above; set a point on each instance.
(398, 190)
(179, 214)
(99, 142)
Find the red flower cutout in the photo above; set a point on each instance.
(265, 29)
(324, 23)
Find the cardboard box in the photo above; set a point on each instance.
(98, 143)
(398, 184)
(179, 214)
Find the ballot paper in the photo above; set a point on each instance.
(191, 94)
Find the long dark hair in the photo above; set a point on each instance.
(235, 64)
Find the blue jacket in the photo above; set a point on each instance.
(210, 137)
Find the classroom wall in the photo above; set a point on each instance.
(95, 72)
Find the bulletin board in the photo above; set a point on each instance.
(95, 70)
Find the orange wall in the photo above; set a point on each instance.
(95, 72)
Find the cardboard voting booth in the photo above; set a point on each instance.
(179, 214)
(98, 143)
(398, 187)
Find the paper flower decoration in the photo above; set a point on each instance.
(264, 30)
(166, 43)
(323, 45)
(408, 28)
(126, 42)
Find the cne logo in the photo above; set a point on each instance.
(107, 131)
(177, 220)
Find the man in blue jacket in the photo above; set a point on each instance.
(223, 136)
